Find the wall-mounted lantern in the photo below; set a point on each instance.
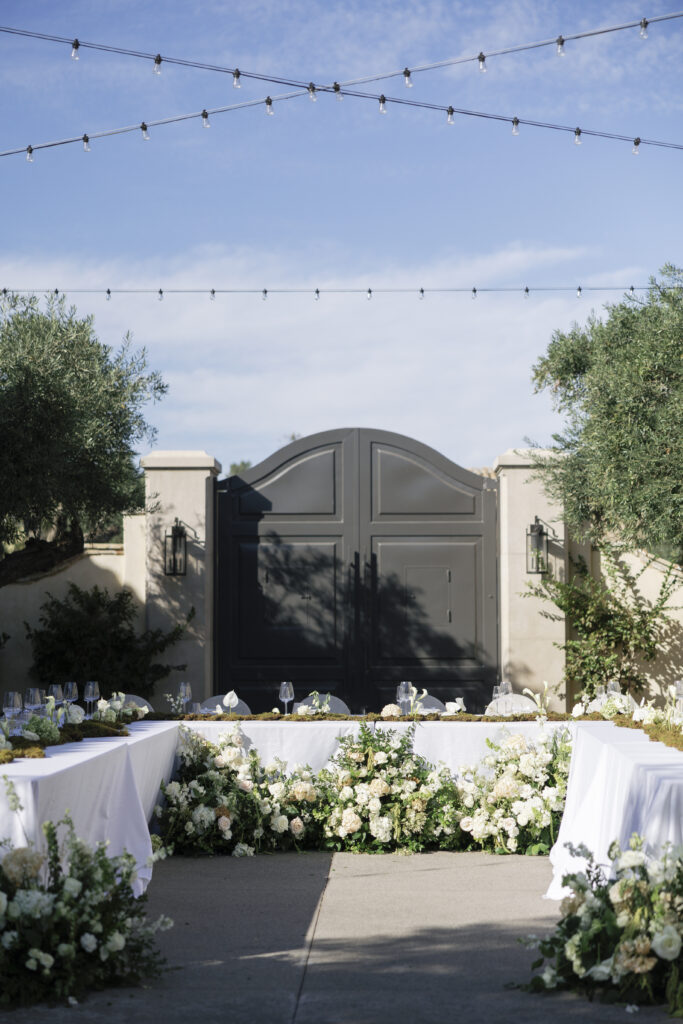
(537, 546)
(175, 550)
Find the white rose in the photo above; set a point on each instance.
(88, 942)
(467, 824)
(279, 823)
(391, 711)
(296, 826)
(115, 942)
(667, 943)
(72, 886)
(102, 705)
(631, 859)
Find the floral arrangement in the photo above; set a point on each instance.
(377, 795)
(380, 796)
(117, 709)
(514, 800)
(64, 931)
(619, 938)
(226, 801)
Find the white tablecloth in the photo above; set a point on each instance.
(464, 744)
(95, 782)
(311, 743)
(619, 783)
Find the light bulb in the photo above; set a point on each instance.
(160, 295)
(157, 64)
(108, 294)
(643, 28)
(337, 92)
(369, 294)
(515, 126)
(311, 92)
(316, 294)
(526, 292)
(421, 293)
(145, 133)
(482, 62)
(212, 294)
(560, 46)
(407, 79)
(578, 292)
(382, 104)
(577, 136)
(29, 154)
(86, 144)
(636, 147)
(264, 294)
(449, 119)
(205, 119)
(474, 293)
(269, 106)
(74, 49)
(236, 84)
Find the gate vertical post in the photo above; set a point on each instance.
(179, 485)
(528, 655)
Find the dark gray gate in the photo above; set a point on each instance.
(350, 560)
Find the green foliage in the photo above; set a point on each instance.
(91, 635)
(81, 929)
(619, 384)
(237, 468)
(613, 629)
(71, 415)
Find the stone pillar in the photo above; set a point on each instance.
(180, 485)
(528, 656)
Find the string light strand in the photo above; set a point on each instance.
(524, 290)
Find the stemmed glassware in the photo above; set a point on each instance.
(70, 693)
(286, 693)
(185, 693)
(404, 692)
(32, 700)
(495, 694)
(91, 693)
(12, 706)
(55, 690)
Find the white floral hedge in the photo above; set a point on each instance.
(376, 796)
(621, 930)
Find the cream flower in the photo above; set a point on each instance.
(391, 711)
(667, 943)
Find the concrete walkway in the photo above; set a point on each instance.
(321, 939)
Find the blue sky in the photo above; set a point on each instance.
(335, 195)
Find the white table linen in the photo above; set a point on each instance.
(311, 743)
(95, 782)
(619, 783)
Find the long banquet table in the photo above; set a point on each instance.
(619, 781)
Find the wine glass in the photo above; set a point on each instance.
(495, 694)
(55, 690)
(91, 693)
(613, 686)
(12, 706)
(505, 687)
(32, 701)
(185, 692)
(404, 694)
(286, 693)
(70, 692)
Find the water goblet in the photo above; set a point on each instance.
(70, 692)
(613, 686)
(286, 693)
(32, 700)
(195, 708)
(12, 706)
(55, 690)
(91, 693)
(404, 693)
(505, 687)
(495, 694)
(185, 692)
(600, 691)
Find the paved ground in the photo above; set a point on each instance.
(343, 939)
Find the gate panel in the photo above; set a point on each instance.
(353, 559)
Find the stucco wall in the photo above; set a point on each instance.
(107, 566)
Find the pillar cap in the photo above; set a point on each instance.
(518, 458)
(181, 460)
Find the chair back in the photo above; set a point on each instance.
(132, 698)
(208, 707)
(336, 706)
(512, 704)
